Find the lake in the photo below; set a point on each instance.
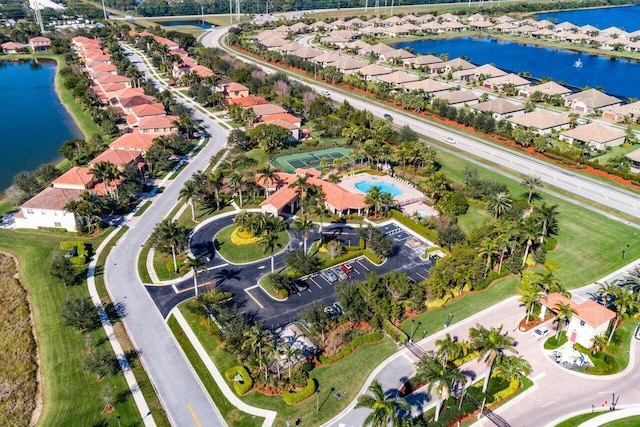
(614, 76)
(626, 18)
(199, 24)
(34, 121)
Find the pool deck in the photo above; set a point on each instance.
(410, 195)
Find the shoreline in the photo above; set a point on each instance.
(85, 124)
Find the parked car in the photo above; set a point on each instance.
(300, 286)
(329, 276)
(341, 274)
(346, 268)
(450, 140)
(337, 307)
(331, 312)
(540, 332)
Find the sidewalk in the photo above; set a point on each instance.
(269, 416)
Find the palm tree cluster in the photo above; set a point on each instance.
(170, 238)
(622, 296)
(86, 210)
(537, 285)
(378, 201)
(265, 226)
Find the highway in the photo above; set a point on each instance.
(180, 390)
(519, 163)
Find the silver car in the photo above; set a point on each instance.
(329, 276)
(341, 274)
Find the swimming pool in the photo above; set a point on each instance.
(365, 186)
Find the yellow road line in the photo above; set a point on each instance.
(254, 298)
(195, 417)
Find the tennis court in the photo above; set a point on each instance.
(310, 160)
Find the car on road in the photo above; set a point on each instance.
(341, 274)
(329, 275)
(387, 117)
(637, 334)
(325, 92)
(450, 140)
(346, 268)
(540, 332)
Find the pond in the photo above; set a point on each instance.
(199, 24)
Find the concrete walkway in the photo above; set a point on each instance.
(269, 416)
(141, 403)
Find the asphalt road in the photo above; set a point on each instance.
(181, 392)
(585, 187)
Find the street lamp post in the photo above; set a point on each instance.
(118, 419)
(624, 251)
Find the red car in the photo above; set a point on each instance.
(346, 268)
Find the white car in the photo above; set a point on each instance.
(450, 140)
(324, 92)
(540, 332)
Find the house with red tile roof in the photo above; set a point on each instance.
(168, 43)
(146, 110)
(247, 101)
(285, 199)
(12, 47)
(130, 102)
(46, 209)
(235, 90)
(157, 125)
(40, 44)
(267, 109)
(133, 141)
(78, 178)
(105, 68)
(590, 319)
(202, 71)
(120, 158)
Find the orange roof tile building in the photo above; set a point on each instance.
(590, 319)
(133, 141)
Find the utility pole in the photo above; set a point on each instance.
(104, 11)
(366, 4)
(391, 7)
(230, 12)
(238, 10)
(377, 7)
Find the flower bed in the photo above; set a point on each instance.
(243, 238)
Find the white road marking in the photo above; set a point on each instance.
(175, 289)
(605, 392)
(217, 266)
(537, 377)
(418, 274)
(363, 266)
(316, 283)
(547, 404)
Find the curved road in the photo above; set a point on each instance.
(583, 186)
(181, 392)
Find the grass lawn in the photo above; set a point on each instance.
(71, 395)
(143, 272)
(552, 343)
(143, 208)
(258, 155)
(346, 376)
(589, 244)
(6, 206)
(245, 253)
(615, 152)
(624, 422)
(619, 351)
(476, 217)
(163, 265)
(461, 308)
(579, 419)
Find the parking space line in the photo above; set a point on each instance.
(314, 281)
(418, 274)
(254, 298)
(363, 266)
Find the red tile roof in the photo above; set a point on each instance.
(157, 122)
(117, 157)
(166, 42)
(282, 123)
(113, 79)
(77, 176)
(12, 46)
(133, 141)
(247, 101)
(202, 71)
(284, 116)
(235, 87)
(104, 67)
(137, 100)
(52, 198)
(590, 311)
(39, 40)
(267, 109)
(155, 109)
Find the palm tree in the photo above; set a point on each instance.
(373, 199)
(528, 232)
(236, 181)
(196, 264)
(439, 377)
(599, 343)
(384, 409)
(488, 248)
(273, 351)
(268, 177)
(271, 242)
(303, 187)
(499, 203)
(169, 234)
(531, 295)
(303, 225)
(450, 349)
(243, 220)
(74, 207)
(101, 172)
(290, 354)
(547, 216)
(564, 313)
(215, 182)
(256, 337)
(491, 343)
(531, 182)
(513, 367)
(189, 192)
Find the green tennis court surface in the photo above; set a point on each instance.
(311, 159)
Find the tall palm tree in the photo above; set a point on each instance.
(189, 192)
(268, 177)
(197, 265)
(256, 338)
(236, 182)
(513, 368)
(440, 379)
(383, 409)
(215, 183)
(531, 182)
(547, 216)
(528, 232)
(271, 242)
(303, 225)
(530, 296)
(303, 188)
(488, 248)
(100, 172)
(499, 203)
(564, 313)
(491, 343)
(169, 234)
(74, 207)
(450, 349)
(290, 354)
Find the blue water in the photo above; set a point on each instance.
(198, 24)
(365, 186)
(34, 121)
(626, 18)
(617, 77)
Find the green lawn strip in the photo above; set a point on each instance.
(142, 379)
(346, 376)
(589, 244)
(163, 265)
(632, 421)
(178, 171)
(476, 216)
(143, 272)
(618, 350)
(246, 253)
(143, 208)
(579, 419)
(229, 412)
(71, 395)
(461, 308)
(6, 206)
(552, 343)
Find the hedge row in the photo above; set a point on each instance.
(353, 345)
(395, 332)
(342, 258)
(83, 251)
(240, 387)
(514, 385)
(292, 398)
(414, 226)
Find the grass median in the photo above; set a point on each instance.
(243, 253)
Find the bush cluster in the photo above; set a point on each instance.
(240, 387)
(294, 397)
(395, 332)
(82, 254)
(365, 339)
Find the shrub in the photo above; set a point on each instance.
(283, 293)
(514, 385)
(239, 238)
(78, 260)
(292, 398)
(353, 345)
(395, 332)
(240, 387)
